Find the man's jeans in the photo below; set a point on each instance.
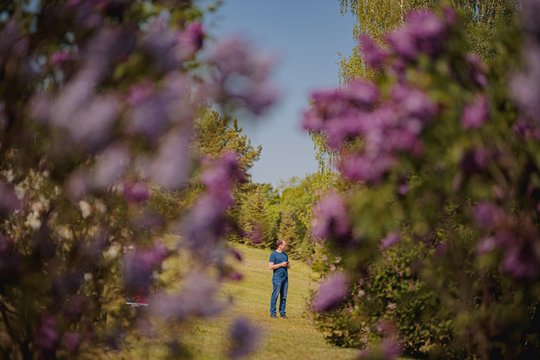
(281, 285)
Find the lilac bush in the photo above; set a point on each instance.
(98, 101)
(438, 228)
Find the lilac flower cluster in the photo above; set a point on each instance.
(196, 299)
(242, 76)
(101, 103)
(423, 32)
(139, 267)
(515, 236)
(332, 292)
(390, 121)
(526, 85)
(205, 225)
(330, 220)
(387, 127)
(244, 338)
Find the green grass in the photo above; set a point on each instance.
(295, 337)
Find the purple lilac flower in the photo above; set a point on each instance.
(72, 341)
(477, 70)
(368, 168)
(205, 225)
(414, 102)
(476, 114)
(391, 349)
(525, 85)
(423, 32)
(140, 92)
(362, 94)
(110, 166)
(47, 336)
(486, 245)
(196, 299)
(331, 219)
(171, 166)
(373, 54)
(428, 29)
(92, 124)
(331, 293)
(518, 240)
(155, 110)
(222, 174)
(160, 44)
(244, 338)
(312, 121)
(136, 192)
(242, 76)
(60, 57)
(531, 8)
(191, 39)
(403, 44)
(338, 131)
(488, 215)
(525, 129)
(390, 240)
(139, 266)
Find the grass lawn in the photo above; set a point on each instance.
(293, 338)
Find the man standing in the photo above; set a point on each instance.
(279, 263)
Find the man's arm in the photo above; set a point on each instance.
(273, 266)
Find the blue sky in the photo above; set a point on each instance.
(307, 36)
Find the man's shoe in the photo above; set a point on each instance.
(273, 316)
(284, 317)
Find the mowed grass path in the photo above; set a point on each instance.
(293, 338)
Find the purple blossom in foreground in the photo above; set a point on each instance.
(136, 192)
(156, 109)
(488, 215)
(139, 266)
(332, 292)
(196, 299)
(47, 336)
(475, 114)
(526, 130)
(60, 57)
(244, 338)
(373, 54)
(160, 44)
(390, 240)
(369, 167)
(205, 225)
(241, 75)
(140, 92)
(171, 166)
(414, 102)
(331, 219)
(222, 174)
(110, 166)
(191, 39)
(423, 32)
(477, 70)
(531, 9)
(72, 341)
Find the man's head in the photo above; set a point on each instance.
(281, 245)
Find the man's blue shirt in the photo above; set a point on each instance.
(278, 258)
